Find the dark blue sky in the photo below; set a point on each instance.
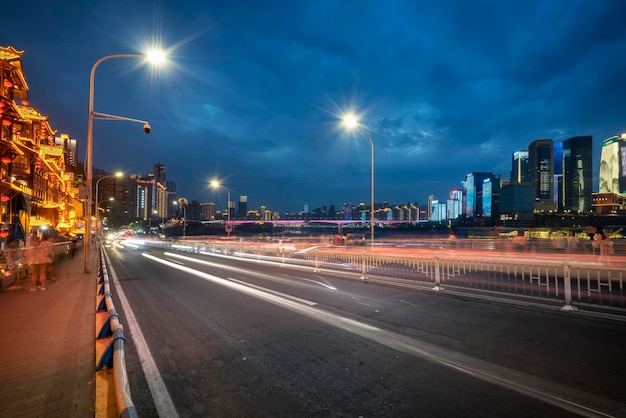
(254, 89)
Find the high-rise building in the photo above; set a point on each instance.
(519, 169)
(516, 204)
(454, 204)
(541, 173)
(474, 194)
(243, 207)
(613, 165)
(207, 211)
(577, 171)
(159, 173)
(332, 213)
(172, 200)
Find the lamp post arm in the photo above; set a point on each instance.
(106, 116)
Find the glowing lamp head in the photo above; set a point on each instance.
(156, 56)
(350, 121)
(215, 184)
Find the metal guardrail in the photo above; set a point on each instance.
(559, 278)
(113, 355)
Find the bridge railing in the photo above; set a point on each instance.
(558, 277)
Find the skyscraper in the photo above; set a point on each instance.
(613, 165)
(243, 207)
(159, 173)
(519, 169)
(577, 169)
(541, 173)
(474, 194)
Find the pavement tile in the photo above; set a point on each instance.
(47, 354)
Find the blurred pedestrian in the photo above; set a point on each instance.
(37, 269)
(47, 252)
(73, 245)
(572, 242)
(602, 241)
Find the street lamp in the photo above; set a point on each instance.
(152, 56)
(217, 185)
(118, 175)
(98, 222)
(350, 121)
(110, 199)
(182, 203)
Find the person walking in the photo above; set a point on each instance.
(47, 252)
(37, 270)
(572, 242)
(602, 240)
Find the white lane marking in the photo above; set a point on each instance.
(317, 282)
(264, 289)
(549, 392)
(175, 261)
(162, 399)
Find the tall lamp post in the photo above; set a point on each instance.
(118, 175)
(350, 121)
(152, 57)
(217, 185)
(182, 203)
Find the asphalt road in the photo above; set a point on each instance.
(211, 336)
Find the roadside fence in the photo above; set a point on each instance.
(567, 279)
(110, 354)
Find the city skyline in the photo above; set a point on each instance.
(254, 91)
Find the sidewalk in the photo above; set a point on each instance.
(47, 353)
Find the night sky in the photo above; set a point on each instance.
(254, 90)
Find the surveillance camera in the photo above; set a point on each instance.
(146, 128)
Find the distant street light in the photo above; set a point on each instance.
(117, 174)
(350, 121)
(110, 199)
(217, 185)
(152, 56)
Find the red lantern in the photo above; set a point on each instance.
(4, 198)
(24, 102)
(4, 234)
(8, 83)
(6, 160)
(6, 122)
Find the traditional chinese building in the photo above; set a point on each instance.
(35, 189)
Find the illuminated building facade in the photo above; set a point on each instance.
(473, 185)
(36, 189)
(613, 165)
(454, 204)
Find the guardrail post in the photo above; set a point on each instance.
(316, 261)
(437, 275)
(567, 288)
(363, 267)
